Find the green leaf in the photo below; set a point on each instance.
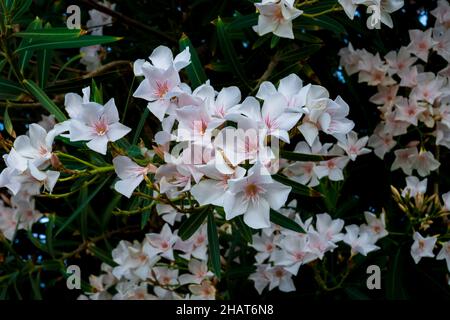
(2, 64)
(35, 286)
(243, 229)
(69, 62)
(395, 286)
(25, 53)
(81, 207)
(192, 224)
(134, 151)
(140, 125)
(50, 34)
(23, 7)
(10, 90)
(8, 123)
(296, 187)
(97, 93)
(46, 102)
(44, 58)
(194, 70)
(274, 41)
(243, 22)
(295, 156)
(213, 244)
(229, 53)
(109, 209)
(84, 41)
(285, 222)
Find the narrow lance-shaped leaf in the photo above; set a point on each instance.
(195, 69)
(21, 8)
(213, 244)
(8, 124)
(10, 90)
(26, 52)
(229, 53)
(81, 207)
(97, 93)
(44, 58)
(84, 41)
(285, 222)
(295, 156)
(243, 229)
(192, 224)
(46, 102)
(297, 187)
(50, 34)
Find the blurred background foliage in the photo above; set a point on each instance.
(33, 265)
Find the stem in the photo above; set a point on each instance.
(314, 15)
(307, 2)
(68, 156)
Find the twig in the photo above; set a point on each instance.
(127, 20)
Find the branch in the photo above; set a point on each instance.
(127, 20)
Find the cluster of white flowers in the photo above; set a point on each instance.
(380, 10)
(26, 173)
(410, 98)
(92, 55)
(424, 246)
(276, 16)
(149, 265)
(281, 252)
(218, 137)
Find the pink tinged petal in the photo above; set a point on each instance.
(137, 67)
(257, 215)
(234, 205)
(98, 144)
(145, 91)
(277, 194)
(36, 173)
(159, 108)
(251, 108)
(7, 179)
(23, 147)
(72, 102)
(266, 89)
(208, 192)
(117, 131)
(182, 60)
(110, 111)
(126, 168)
(37, 135)
(127, 186)
(265, 25)
(309, 131)
(274, 107)
(162, 57)
(91, 112)
(52, 178)
(288, 120)
(80, 132)
(228, 97)
(58, 129)
(284, 30)
(290, 85)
